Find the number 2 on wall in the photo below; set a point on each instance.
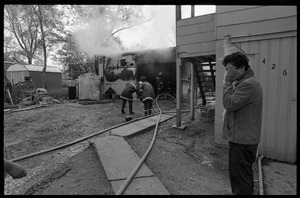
(273, 66)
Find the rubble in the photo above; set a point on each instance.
(29, 97)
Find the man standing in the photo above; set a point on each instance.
(126, 95)
(242, 100)
(146, 95)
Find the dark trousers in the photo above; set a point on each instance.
(147, 107)
(241, 158)
(124, 103)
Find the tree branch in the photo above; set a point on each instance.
(130, 26)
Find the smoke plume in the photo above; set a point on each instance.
(94, 35)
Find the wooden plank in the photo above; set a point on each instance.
(258, 28)
(253, 47)
(255, 15)
(263, 70)
(284, 99)
(272, 97)
(292, 108)
(264, 37)
(195, 20)
(142, 186)
(222, 9)
(192, 38)
(10, 99)
(196, 54)
(118, 159)
(195, 28)
(198, 47)
(139, 126)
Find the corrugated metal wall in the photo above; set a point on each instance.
(267, 34)
(53, 80)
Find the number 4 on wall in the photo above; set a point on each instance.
(274, 67)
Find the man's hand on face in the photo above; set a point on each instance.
(231, 75)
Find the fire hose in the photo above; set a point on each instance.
(75, 141)
(78, 140)
(128, 180)
(137, 167)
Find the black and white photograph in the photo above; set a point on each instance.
(162, 99)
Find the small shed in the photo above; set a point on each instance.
(7, 64)
(89, 84)
(19, 72)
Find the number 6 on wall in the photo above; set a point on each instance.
(284, 72)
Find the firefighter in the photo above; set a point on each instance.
(146, 95)
(126, 95)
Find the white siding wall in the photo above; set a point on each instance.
(196, 36)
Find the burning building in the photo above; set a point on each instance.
(129, 67)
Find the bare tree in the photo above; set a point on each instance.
(51, 29)
(21, 22)
(34, 27)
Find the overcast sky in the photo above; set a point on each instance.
(160, 32)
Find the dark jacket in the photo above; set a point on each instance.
(146, 92)
(129, 89)
(243, 103)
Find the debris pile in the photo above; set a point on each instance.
(21, 90)
(31, 97)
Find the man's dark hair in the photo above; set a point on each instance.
(238, 59)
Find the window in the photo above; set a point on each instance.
(199, 10)
(204, 9)
(186, 11)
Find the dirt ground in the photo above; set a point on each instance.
(186, 161)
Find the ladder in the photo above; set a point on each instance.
(206, 78)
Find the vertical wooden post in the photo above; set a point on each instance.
(193, 11)
(101, 74)
(178, 12)
(192, 97)
(10, 98)
(178, 92)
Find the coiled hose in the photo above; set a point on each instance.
(137, 167)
